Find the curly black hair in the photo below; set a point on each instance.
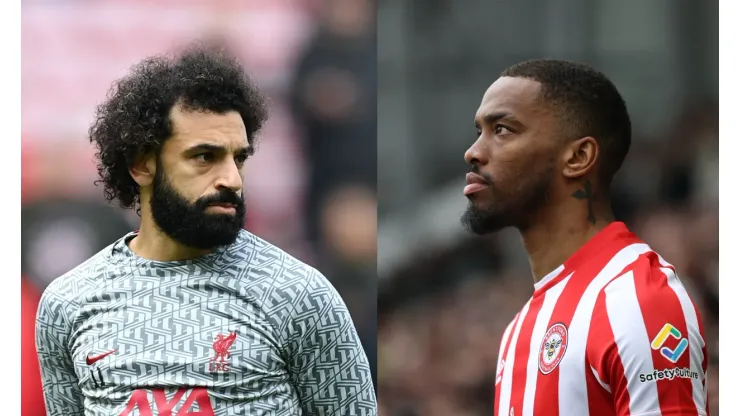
(587, 103)
(135, 118)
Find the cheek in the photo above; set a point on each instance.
(518, 172)
(510, 166)
(190, 185)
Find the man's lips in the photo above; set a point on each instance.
(474, 183)
(223, 207)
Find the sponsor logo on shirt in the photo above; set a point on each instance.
(183, 402)
(222, 357)
(669, 374)
(553, 348)
(658, 343)
(96, 374)
(91, 359)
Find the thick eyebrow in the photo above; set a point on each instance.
(493, 118)
(205, 147)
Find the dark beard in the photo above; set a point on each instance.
(188, 223)
(514, 208)
(484, 221)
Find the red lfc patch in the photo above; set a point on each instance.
(222, 358)
(553, 348)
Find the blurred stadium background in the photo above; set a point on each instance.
(445, 297)
(311, 186)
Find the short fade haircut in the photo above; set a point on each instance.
(587, 104)
(135, 118)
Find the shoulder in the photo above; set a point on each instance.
(65, 294)
(645, 299)
(71, 287)
(286, 278)
(646, 329)
(650, 283)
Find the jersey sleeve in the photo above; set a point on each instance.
(62, 394)
(326, 360)
(649, 352)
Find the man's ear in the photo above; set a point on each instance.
(580, 157)
(144, 169)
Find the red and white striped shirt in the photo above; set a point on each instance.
(610, 332)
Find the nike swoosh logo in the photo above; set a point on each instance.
(90, 360)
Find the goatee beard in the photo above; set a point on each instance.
(481, 221)
(510, 207)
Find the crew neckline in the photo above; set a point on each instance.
(547, 279)
(614, 231)
(121, 249)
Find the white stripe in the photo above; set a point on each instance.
(502, 348)
(540, 327)
(505, 395)
(549, 277)
(696, 342)
(633, 342)
(572, 389)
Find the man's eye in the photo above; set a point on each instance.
(204, 157)
(501, 129)
(240, 159)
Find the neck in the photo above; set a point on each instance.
(555, 236)
(151, 243)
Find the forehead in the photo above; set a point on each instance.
(516, 96)
(197, 127)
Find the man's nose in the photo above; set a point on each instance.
(476, 154)
(230, 177)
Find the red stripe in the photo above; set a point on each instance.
(547, 400)
(522, 352)
(505, 345)
(601, 344)
(659, 306)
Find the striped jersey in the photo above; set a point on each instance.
(612, 331)
(245, 330)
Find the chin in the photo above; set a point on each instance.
(483, 221)
(484, 228)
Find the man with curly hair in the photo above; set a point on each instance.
(192, 314)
